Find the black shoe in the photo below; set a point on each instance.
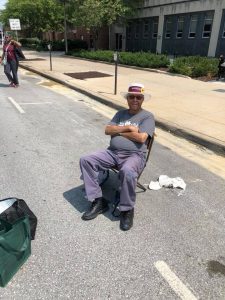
(98, 206)
(126, 219)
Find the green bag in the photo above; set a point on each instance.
(15, 247)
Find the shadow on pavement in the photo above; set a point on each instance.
(75, 196)
(4, 85)
(101, 92)
(220, 90)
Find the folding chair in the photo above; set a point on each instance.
(149, 148)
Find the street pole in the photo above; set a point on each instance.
(50, 58)
(116, 70)
(50, 55)
(65, 29)
(2, 38)
(16, 36)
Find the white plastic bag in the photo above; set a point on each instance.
(4, 61)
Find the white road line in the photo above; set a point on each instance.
(35, 103)
(16, 105)
(176, 284)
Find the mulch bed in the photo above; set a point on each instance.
(86, 75)
(34, 59)
(205, 78)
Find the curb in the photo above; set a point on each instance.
(186, 134)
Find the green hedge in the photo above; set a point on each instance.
(42, 45)
(139, 59)
(31, 43)
(195, 66)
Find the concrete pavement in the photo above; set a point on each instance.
(186, 107)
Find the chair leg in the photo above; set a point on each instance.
(140, 186)
(107, 177)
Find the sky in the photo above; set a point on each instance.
(2, 3)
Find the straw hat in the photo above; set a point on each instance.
(136, 89)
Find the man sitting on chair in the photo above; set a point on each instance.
(129, 130)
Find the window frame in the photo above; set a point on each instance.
(196, 25)
(178, 23)
(146, 33)
(155, 33)
(168, 20)
(223, 31)
(207, 18)
(136, 30)
(129, 31)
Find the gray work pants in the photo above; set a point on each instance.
(129, 164)
(10, 70)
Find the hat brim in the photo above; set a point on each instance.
(125, 94)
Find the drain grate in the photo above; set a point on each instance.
(34, 59)
(86, 75)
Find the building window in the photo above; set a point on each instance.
(168, 28)
(207, 28)
(146, 29)
(193, 26)
(223, 34)
(146, 3)
(129, 31)
(136, 31)
(180, 27)
(155, 29)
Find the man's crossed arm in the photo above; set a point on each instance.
(128, 131)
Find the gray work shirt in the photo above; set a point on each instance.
(144, 120)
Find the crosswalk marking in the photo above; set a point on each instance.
(176, 284)
(17, 106)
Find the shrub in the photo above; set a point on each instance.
(77, 45)
(73, 45)
(30, 43)
(139, 59)
(195, 66)
(42, 46)
(144, 59)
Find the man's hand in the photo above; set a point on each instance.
(133, 128)
(115, 129)
(129, 131)
(139, 137)
(15, 43)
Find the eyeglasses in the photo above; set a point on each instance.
(138, 97)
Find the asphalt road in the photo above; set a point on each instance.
(176, 249)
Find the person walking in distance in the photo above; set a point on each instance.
(9, 59)
(221, 67)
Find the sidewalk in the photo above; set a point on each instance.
(186, 107)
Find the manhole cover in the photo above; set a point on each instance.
(86, 75)
(34, 59)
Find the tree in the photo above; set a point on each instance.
(94, 14)
(35, 16)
